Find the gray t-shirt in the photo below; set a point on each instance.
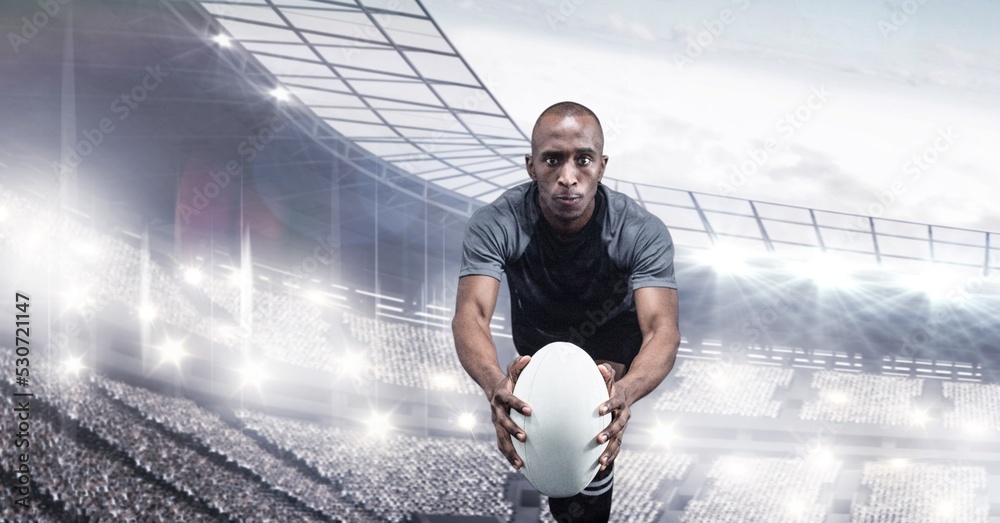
(578, 291)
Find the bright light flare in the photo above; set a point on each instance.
(378, 425)
(724, 259)
(281, 94)
(664, 435)
(466, 421)
(193, 275)
(73, 365)
(919, 417)
(147, 312)
(314, 296)
(253, 374)
(222, 40)
(172, 352)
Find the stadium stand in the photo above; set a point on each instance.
(862, 398)
(186, 418)
(977, 406)
(922, 493)
(410, 355)
(219, 485)
(722, 388)
(396, 475)
(765, 490)
(88, 478)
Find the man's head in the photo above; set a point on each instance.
(567, 161)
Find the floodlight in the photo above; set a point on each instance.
(253, 374)
(73, 365)
(315, 296)
(467, 421)
(147, 312)
(193, 275)
(222, 40)
(281, 94)
(172, 351)
(919, 417)
(664, 434)
(378, 424)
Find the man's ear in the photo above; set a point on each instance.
(529, 165)
(604, 165)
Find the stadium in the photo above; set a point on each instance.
(234, 230)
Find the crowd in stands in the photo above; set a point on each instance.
(637, 496)
(713, 387)
(977, 405)
(395, 475)
(411, 355)
(922, 493)
(185, 417)
(862, 398)
(171, 461)
(762, 490)
(85, 474)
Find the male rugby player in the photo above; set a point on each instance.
(585, 265)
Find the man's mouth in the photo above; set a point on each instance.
(568, 199)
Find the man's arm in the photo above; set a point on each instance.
(476, 301)
(657, 311)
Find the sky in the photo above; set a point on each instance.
(885, 108)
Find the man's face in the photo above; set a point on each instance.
(567, 162)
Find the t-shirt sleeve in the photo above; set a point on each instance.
(483, 249)
(653, 261)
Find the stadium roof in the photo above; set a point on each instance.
(383, 75)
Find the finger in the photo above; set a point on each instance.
(616, 426)
(506, 447)
(515, 367)
(611, 452)
(508, 401)
(503, 419)
(608, 373)
(613, 404)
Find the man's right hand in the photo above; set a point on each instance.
(502, 400)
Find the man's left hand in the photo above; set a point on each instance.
(618, 406)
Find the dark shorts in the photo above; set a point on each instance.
(593, 505)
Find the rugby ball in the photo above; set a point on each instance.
(563, 387)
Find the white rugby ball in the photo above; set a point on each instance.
(563, 387)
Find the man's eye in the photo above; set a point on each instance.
(551, 161)
(584, 161)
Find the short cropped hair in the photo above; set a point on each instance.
(569, 109)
